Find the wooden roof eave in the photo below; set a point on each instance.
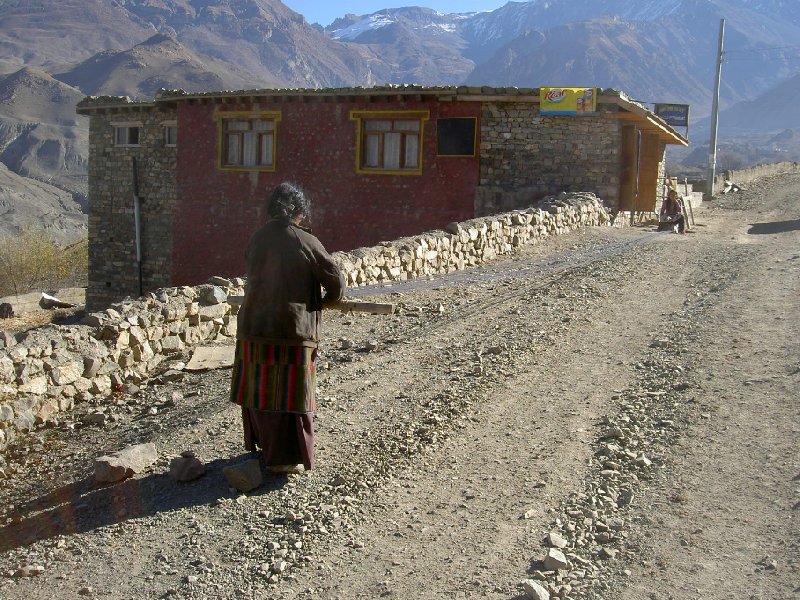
(667, 133)
(648, 120)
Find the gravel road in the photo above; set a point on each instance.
(611, 414)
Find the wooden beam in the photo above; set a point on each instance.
(497, 98)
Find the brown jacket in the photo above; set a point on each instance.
(670, 208)
(286, 266)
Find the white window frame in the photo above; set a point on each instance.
(122, 130)
(170, 126)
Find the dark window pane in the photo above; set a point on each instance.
(455, 137)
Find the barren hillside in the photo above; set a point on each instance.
(41, 137)
(27, 203)
(158, 62)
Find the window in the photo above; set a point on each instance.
(248, 141)
(456, 136)
(127, 134)
(170, 133)
(390, 142)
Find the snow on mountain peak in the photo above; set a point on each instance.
(368, 23)
(415, 18)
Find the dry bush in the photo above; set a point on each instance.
(32, 261)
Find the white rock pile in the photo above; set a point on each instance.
(46, 371)
(473, 242)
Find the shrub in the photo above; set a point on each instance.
(32, 261)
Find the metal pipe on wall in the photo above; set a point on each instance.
(137, 224)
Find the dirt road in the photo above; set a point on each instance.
(633, 394)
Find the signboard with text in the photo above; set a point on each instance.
(568, 101)
(676, 115)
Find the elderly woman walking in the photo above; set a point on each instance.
(274, 379)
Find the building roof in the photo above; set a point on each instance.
(638, 112)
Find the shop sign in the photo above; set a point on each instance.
(568, 101)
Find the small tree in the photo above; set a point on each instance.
(33, 261)
(73, 265)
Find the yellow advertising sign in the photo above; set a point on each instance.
(568, 101)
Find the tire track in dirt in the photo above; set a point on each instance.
(733, 531)
(463, 521)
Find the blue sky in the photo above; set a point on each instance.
(325, 11)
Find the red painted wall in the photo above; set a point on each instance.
(216, 211)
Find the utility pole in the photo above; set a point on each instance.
(712, 145)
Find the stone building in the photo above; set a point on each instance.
(379, 163)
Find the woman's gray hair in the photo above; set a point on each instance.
(287, 202)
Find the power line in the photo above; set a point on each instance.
(760, 58)
(768, 49)
(761, 54)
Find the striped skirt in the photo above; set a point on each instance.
(274, 377)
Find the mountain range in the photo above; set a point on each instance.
(56, 51)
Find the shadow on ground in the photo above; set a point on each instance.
(86, 505)
(774, 227)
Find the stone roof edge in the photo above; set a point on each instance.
(93, 103)
(164, 96)
(177, 95)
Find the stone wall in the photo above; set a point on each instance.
(526, 156)
(46, 371)
(757, 172)
(113, 271)
(470, 243)
(746, 175)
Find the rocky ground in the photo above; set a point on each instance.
(612, 414)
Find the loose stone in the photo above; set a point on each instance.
(125, 463)
(279, 566)
(244, 476)
(556, 541)
(186, 468)
(555, 560)
(534, 590)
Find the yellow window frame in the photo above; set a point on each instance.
(270, 115)
(388, 115)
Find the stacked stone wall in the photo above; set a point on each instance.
(526, 156)
(470, 243)
(44, 372)
(113, 270)
(743, 176)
